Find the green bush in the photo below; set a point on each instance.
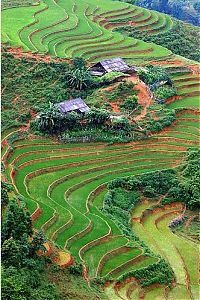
(164, 92)
(130, 103)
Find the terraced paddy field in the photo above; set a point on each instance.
(64, 187)
(69, 29)
(154, 230)
(188, 88)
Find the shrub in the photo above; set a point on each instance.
(164, 92)
(130, 103)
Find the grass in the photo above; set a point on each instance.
(166, 247)
(138, 210)
(179, 292)
(162, 241)
(83, 168)
(99, 229)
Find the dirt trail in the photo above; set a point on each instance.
(20, 53)
(176, 63)
(144, 96)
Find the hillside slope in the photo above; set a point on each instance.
(81, 28)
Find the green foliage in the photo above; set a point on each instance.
(31, 85)
(16, 222)
(152, 74)
(164, 117)
(118, 203)
(108, 78)
(107, 135)
(26, 276)
(175, 186)
(76, 269)
(130, 103)
(11, 253)
(164, 92)
(5, 188)
(97, 117)
(24, 284)
(47, 120)
(122, 91)
(160, 272)
(78, 76)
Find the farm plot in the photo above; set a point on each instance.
(68, 183)
(188, 88)
(154, 230)
(81, 28)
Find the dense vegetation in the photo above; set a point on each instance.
(182, 39)
(28, 86)
(181, 9)
(55, 82)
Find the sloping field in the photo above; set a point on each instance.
(181, 254)
(188, 87)
(64, 186)
(82, 28)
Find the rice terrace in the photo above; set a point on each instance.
(100, 152)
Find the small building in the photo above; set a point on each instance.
(111, 65)
(77, 105)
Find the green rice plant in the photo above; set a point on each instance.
(115, 261)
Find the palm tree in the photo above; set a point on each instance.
(46, 120)
(79, 78)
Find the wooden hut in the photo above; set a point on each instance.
(77, 105)
(111, 65)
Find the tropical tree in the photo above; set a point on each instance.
(16, 222)
(79, 78)
(11, 253)
(46, 120)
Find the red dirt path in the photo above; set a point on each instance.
(20, 53)
(144, 96)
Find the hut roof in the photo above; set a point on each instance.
(115, 65)
(72, 105)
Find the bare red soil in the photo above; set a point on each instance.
(176, 63)
(20, 53)
(195, 69)
(144, 96)
(115, 107)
